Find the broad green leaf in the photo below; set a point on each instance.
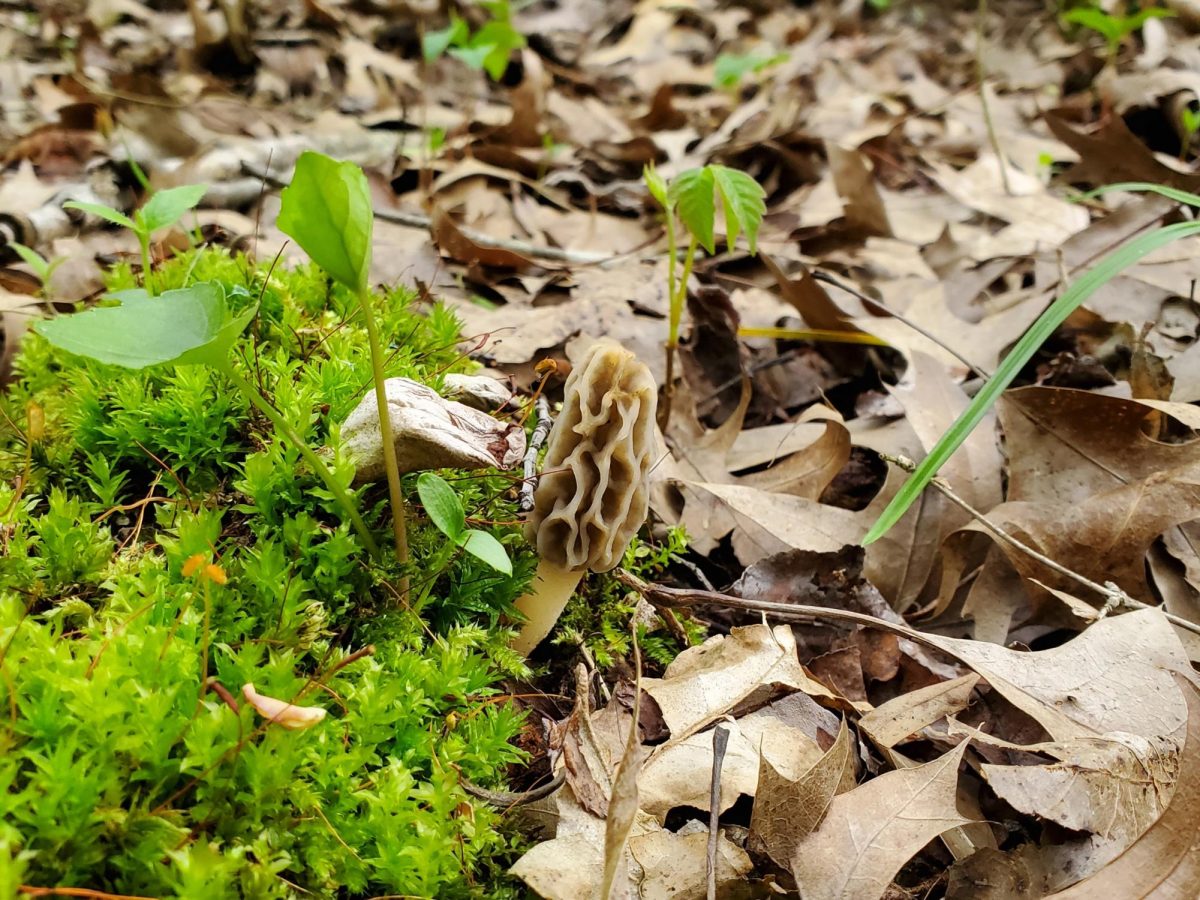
(443, 506)
(692, 194)
(744, 204)
(657, 185)
(1107, 269)
(165, 208)
(435, 43)
(483, 546)
(1095, 19)
(33, 259)
(503, 39)
(189, 326)
(327, 211)
(107, 213)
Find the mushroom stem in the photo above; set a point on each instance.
(552, 588)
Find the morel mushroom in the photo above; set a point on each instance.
(593, 494)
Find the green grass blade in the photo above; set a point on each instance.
(1147, 187)
(1073, 297)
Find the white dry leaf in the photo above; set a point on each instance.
(480, 392)
(289, 715)
(429, 432)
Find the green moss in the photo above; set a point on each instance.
(119, 770)
(598, 615)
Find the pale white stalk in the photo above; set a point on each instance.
(552, 588)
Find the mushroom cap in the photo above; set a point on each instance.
(593, 494)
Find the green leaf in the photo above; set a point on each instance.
(730, 68)
(165, 208)
(483, 546)
(1107, 269)
(327, 210)
(33, 259)
(435, 43)
(443, 506)
(657, 185)
(691, 192)
(473, 55)
(744, 203)
(189, 326)
(1097, 20)
(104, 212)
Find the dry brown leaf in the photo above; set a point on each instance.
(1105, 537)
(1164, 863)
(1115, 677)
(894, 721)
(873, 830)
(704, 683)
(678, 775)
(787, 809)
(1109, 789)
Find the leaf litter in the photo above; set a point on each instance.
(985, 727)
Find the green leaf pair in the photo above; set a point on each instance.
(693, 193)
(488, 49)
(446, 512)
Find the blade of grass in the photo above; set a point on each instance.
(1107, 269)
(1146, 187)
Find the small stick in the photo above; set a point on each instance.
(883, 307)
(720, 744)
(1114, 597)
(681, 598)
(508, 799)
(540, 432)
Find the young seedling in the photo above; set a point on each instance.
(730, 68)
(445, 510)
(692, 196)
(327, 211)
(162, 210)
(42, 267)
(189, 326)
(488, 49)
(1074, 296)
(1113, 28)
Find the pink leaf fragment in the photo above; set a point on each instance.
(286, 714)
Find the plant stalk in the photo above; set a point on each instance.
(318, 465)
(144, 241)
(675, 313)
(399, 522)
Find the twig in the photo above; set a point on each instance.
(540, 432)
(883, 307)
(720, 745)
(682, 598)
(507, 799)
(1114, 596)
(981, 74)
(30, 890)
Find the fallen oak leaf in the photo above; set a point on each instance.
(289, 715)
(787, 810)
(873, 830)
(1164, 862)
